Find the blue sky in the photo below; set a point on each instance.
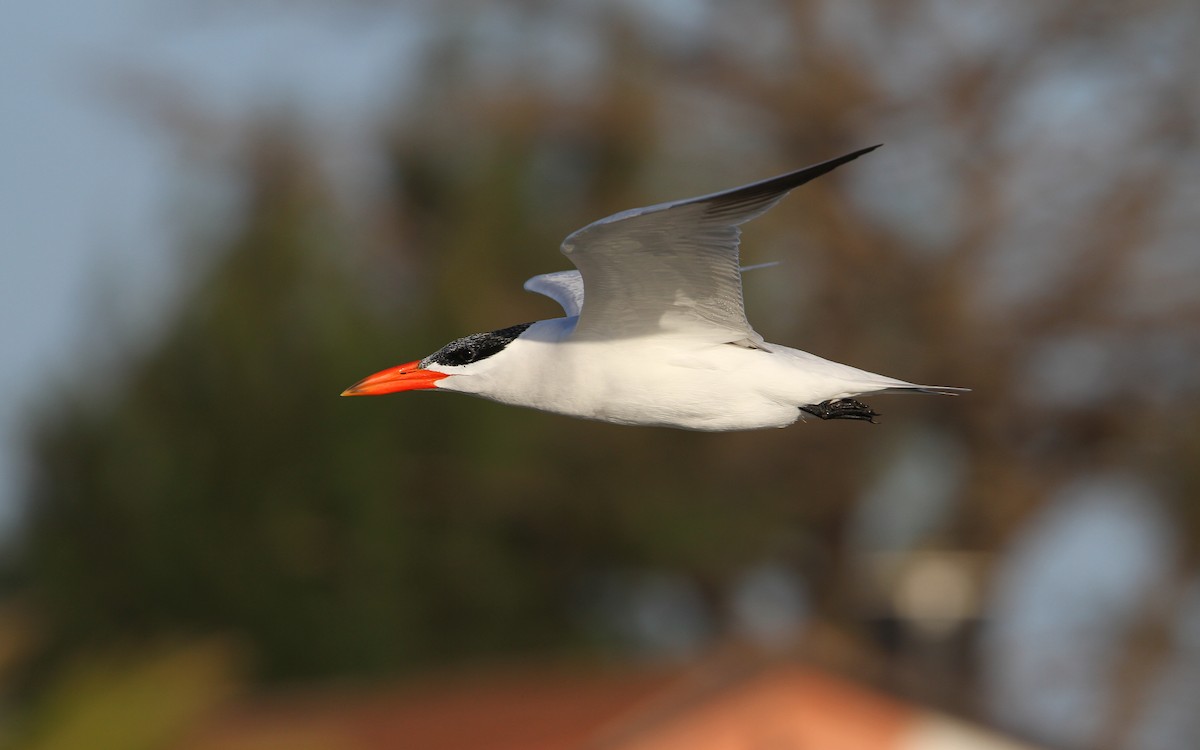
(88, 180)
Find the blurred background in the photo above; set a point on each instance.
(218, 215)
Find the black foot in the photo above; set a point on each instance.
(842, 408)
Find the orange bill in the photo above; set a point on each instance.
(406, 377)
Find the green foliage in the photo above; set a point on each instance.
(132, 701)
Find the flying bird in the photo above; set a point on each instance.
(654, 331)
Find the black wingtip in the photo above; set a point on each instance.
(807, 174)
(834, 163)
(763, 194)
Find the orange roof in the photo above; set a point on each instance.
(523, 710)
(780, 706)
(721, 707)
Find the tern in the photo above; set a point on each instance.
(654, 331)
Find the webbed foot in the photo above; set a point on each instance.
(842, 408)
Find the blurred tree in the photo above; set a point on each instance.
(222, 486)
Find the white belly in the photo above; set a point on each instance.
(663, 382)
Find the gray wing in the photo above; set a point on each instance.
(673, 268)
(564, 287)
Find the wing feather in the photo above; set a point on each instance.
(564, 287)
(671, 268)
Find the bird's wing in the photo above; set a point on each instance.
(564, 287)
(672, 269)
